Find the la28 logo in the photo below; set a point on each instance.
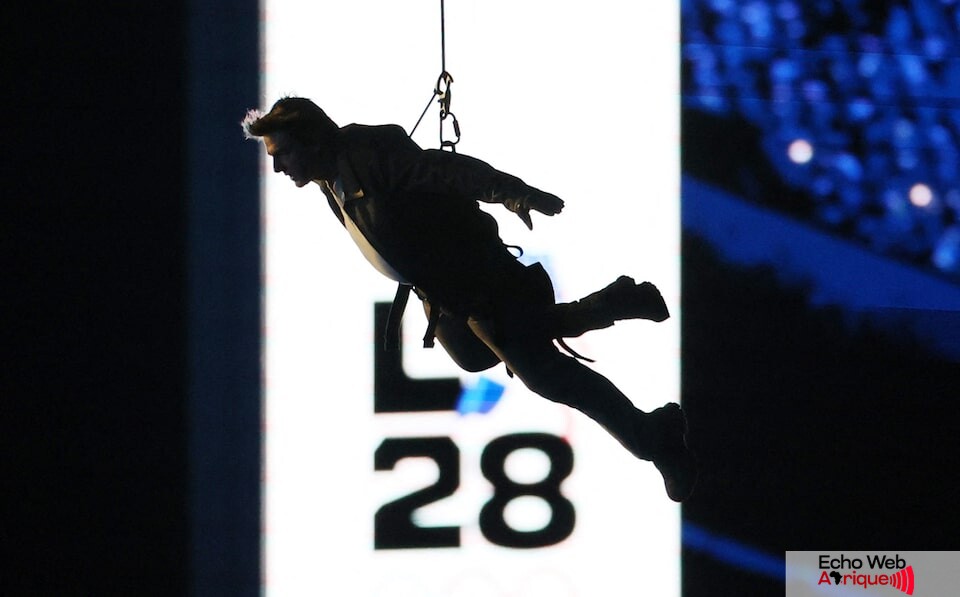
(394, 528)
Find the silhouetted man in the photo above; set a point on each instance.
(414, 215)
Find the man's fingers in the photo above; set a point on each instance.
(548, 204)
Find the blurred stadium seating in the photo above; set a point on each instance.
(856, 107)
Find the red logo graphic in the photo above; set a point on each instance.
(848, 571)
(903, 580)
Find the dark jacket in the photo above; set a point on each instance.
(418, 208)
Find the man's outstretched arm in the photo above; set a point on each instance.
(458, 175)
(476, 179)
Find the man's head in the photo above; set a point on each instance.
(299, 136)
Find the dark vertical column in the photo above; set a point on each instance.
(94, 387)
(224, 298)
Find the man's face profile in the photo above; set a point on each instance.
(290, 157)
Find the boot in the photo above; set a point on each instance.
(623, 299)
(665, 431)
(660, 437)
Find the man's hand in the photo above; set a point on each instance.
(545, 203)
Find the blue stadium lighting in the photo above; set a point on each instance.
(861, 109)
(907, 159)
(788, 11)
(935, 48)
(946, 255)
(800, 151)
(732, 552)
(921, 195)
(848, 165)
(903, 132)
(952, 199)
(869, 65)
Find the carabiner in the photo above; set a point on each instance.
(444, 95)
(456, 131)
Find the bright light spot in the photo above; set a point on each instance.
(800, 151)
(921, 195)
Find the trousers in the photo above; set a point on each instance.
(519, 329)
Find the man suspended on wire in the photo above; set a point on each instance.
(414, 215)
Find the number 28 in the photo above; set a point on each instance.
(394, 527)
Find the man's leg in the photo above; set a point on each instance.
(623, 299)
(656, 436)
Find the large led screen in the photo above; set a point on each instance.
(396, 473)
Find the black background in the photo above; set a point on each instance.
(96, 179)
(131, 336)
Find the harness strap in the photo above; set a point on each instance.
(391, 334)
(431, 327)
(572, 352)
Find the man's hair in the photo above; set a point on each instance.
(297, 116)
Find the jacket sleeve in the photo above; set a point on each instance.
(407, 168)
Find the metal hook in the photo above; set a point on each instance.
(456, 131)
(444, 95)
